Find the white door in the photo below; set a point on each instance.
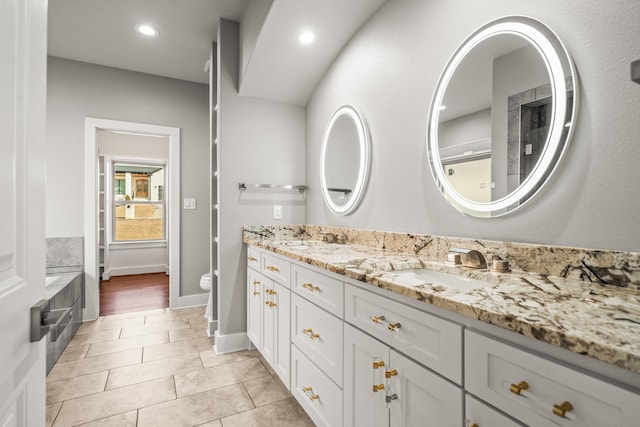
(365, 363)
(282, 338)
(23, 49)
(421, 398)
(254, 307)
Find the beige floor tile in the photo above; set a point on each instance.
(161, 317)
(58, 391)
(266, 390)
(286, 413)
(162, 368)
(189, 312)
(133, 314)
(128, 419)
(112, 402)
(122, 344)
(163, 351)
(209, 357)
(202, 344)
(95, 337)
(95, 326)
(215, 423)
(71, 354)
(196, 409)
(267, 365)
(52, 413)
(218, 376)
(92, 365)
(186, 334)
(154, 328)
(199, 323)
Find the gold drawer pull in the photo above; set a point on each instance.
(561, 409)
(271, 292)
(271, 304)
(391, 373)
(273, 268)
(251, 259)
(310, 287)
(310, 333)
(377, 388)
(379, 364)
(256, 293)
(309, 392)
(474, 425)
(256, 282)
(394, 326)
(377, 319)
(518, 388)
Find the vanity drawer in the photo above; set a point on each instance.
(319, 335)
(277, 268)
(434, 342)
(253, 258)
(533, 389)
(316, 393)
(480, 415)
(322, 290)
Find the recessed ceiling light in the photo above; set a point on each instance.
(307, 37)
(147, 30)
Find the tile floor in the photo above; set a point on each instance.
(157, 368)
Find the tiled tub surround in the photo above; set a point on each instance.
(585, 301)
(65, 259)
(64, 292)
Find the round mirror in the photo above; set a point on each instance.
(344, 160)
(501, 116)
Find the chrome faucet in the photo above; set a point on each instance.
(468, 258)
(328, 237)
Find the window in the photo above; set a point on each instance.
(138, 205)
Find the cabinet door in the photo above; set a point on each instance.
(479, 414)
(282, 341)
(365, 362)
(267, 336)
(254, 307)
(419, 397)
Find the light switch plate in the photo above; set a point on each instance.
(189, 203)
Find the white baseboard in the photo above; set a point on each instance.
(141, 269)
(192, 300)
(230, 343)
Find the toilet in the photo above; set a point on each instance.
(205, 284)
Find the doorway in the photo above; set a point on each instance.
(96, 226)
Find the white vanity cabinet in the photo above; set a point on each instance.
(540, 392)
(269, 312)
(382, 387)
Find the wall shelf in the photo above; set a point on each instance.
(243, 186)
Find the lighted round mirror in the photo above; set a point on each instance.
(501, 116)
(345, 160)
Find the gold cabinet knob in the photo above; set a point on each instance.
(391, 373)
(379, 364)
(377, 319)
(377, 388)
(561, 409)
(309, 392)
(251, 259)
(273, 268)
(518, 388)
(474, 425)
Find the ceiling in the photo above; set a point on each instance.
(103, 32)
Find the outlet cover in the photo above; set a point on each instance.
(277, 211)
(189, 203)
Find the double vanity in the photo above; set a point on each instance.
(369, 336)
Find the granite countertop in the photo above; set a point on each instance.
(586, 318)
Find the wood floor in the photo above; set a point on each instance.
(124, 294)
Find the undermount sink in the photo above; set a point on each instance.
(443, 279)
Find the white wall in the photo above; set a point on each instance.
(389, 71)
(77, 90)
(260, 142)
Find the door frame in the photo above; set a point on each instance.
(91, 214)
